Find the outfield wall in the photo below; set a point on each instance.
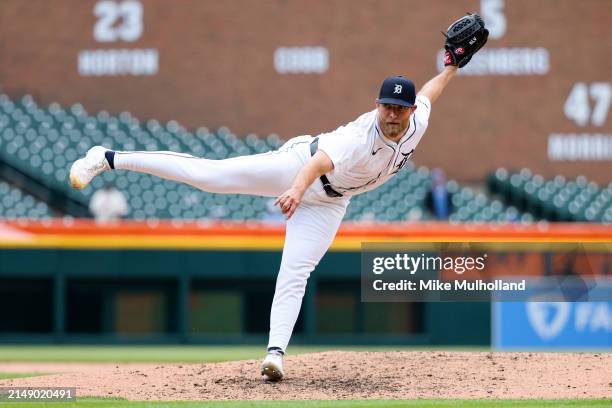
(197, 283)
(199, 296)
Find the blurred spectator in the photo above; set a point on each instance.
(438, 200)
(108, 204)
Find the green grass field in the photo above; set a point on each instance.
(6, 376)
(199, 354)
(170, 354)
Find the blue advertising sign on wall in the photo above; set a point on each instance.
(552, 325)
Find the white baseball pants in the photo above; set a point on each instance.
(309, 232)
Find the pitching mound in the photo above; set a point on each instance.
(342, 375)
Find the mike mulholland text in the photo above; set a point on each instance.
(437, 285)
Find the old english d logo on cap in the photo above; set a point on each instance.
(397, 90)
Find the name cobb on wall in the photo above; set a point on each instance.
(301, 60)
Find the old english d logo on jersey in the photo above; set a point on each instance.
(364, 158)
(405, 157)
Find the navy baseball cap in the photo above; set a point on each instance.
(397, 90)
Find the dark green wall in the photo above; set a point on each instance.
(207, 297)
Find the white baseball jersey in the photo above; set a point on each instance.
(363, 158)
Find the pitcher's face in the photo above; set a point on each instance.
(394, 119)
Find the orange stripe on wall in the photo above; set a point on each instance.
(259, 236)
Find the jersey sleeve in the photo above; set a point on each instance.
(342, 146)
(423, 109)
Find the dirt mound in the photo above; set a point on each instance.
(342, 375)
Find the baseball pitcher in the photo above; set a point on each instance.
(313, 178)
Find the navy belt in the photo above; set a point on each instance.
(314, 145)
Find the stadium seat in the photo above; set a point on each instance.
(14, 203)
(43, 142)
(557, 199)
